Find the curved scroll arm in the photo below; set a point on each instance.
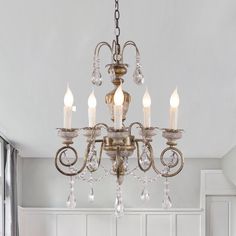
(130, 43)
(58, 159)
(149, 157)
(99, 46)
(133, 124)
(179, 160)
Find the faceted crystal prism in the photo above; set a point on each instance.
(144, 159)
(145, 194)
(119, 207)
(92, 159)
(138, 75)
(71, 201)
(91, 195)
(96, 77)
(166, 203)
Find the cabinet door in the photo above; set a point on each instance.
(100, 225)
(187, 224)
(129, 225)
(73, 225)
(159, 225)
(221, 216)
(38, 225)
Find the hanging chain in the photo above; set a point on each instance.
(117, 28)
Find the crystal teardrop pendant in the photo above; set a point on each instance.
(144, 159)
(138, 75)
(91, 195)
(96, 77)
(92, 159)
(71, 201)
(166, 203)
(145, 194)
(119, 207)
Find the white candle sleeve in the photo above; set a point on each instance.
(67, 117)
(92, 116)
(146, 117)
(173, 117)
(118, 115)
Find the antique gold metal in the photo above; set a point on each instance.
(119, 145)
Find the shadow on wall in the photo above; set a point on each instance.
(229, 165)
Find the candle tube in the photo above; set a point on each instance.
(68, 105)
(146, 110)
(174, 104)
(118, 108)
(92, 103)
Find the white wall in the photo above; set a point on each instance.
(43, 186)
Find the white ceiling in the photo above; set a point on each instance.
(45, 44)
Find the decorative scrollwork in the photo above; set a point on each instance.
(172, 160)
(63, 161)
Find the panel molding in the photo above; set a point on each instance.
(139, 218)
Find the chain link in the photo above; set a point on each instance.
(117, 28)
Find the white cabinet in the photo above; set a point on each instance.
(88, 222)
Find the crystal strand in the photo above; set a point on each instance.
(119, 205)
(71, 200)
(138, 75)
(166, 203)
(96, 75)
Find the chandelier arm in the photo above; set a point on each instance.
(130, 43)
(100, 153)
(139, 157)
(101, 125)
(95, 128)
(58, 158)
(99, 46)
(179, 156)
(135, 123)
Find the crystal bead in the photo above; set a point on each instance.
(96, 77)
(166, 203)
(91, 195)
(145, 195)
(166, 170)
(138, 76)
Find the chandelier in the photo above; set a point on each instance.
(118, 142)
